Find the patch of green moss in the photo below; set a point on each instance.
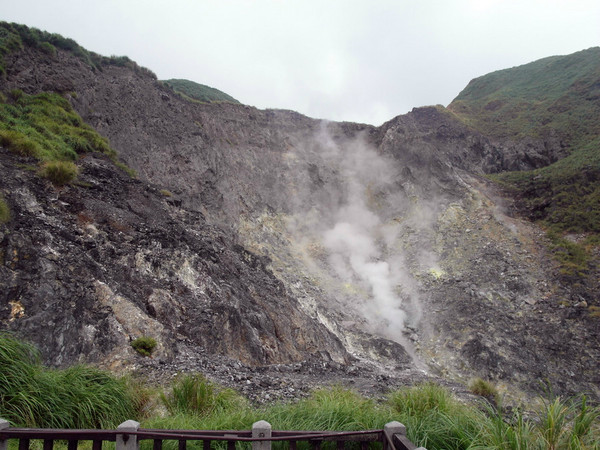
(564, 196)
(573, 257)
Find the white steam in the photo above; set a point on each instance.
(359, 236)
(356, 257)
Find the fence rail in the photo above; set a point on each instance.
(128, 436)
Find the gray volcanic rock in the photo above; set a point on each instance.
(286, 237)
(89, 267)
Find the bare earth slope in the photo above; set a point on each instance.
(285, 238)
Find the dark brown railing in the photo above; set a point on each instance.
(128, 437)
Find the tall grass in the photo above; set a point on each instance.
(84, 397)
(434, 419)
(78, 397)
(194, 394)
(333, 408)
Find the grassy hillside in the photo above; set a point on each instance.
(558, 95)
(46, 127)
(198, 91)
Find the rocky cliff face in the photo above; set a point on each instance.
(282, 238)
(89, 267)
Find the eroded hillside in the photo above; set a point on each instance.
(283, 238)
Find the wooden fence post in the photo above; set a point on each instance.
(396, 428)
(125, 441)
(262, 428)
(4, 443)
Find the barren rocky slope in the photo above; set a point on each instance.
(283, 239)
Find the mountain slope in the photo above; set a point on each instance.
(387, 245)
(553, 98)
(559, 94)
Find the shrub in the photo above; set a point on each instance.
(60, 172)
(4, 210)
(48, 48)
(144, 345)
(486, 390)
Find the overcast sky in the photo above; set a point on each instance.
(356, 60)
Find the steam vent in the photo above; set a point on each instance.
(274, 252)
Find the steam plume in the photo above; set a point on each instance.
(358, 239)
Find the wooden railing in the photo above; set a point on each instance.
(129, 435)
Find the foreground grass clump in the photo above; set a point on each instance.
(435, 419)
(195, 395)
(333, 408)
(78, 397)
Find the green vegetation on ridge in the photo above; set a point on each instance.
(14, 37)
(199, 92)
(557, 96)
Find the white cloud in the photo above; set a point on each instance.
(359, 60)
